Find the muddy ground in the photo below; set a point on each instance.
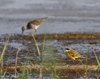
(52, 49)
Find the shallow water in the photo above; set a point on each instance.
(70, 16)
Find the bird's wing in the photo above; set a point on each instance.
(37, 22)
(70, 56)
(77, 55)
(74, 54)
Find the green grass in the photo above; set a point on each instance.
(97, 60)
(25, 73)
(2, 57)
(3, 51)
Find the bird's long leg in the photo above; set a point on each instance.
(22, 37)
(35, 31)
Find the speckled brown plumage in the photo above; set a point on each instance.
(34, 24)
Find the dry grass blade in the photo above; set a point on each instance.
(98, 60)
(3, 51)
(16, 62)
(36, 45)
(2, 55)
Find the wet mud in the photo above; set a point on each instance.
(52, 47)
(85, 44)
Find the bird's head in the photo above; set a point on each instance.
(67, 49)
(23, 29)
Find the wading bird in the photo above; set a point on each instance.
(72, 54)
(34, 24)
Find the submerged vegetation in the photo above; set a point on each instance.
(47, 60)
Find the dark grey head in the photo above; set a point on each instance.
(23, 29)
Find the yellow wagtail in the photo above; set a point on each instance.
(72, 54)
